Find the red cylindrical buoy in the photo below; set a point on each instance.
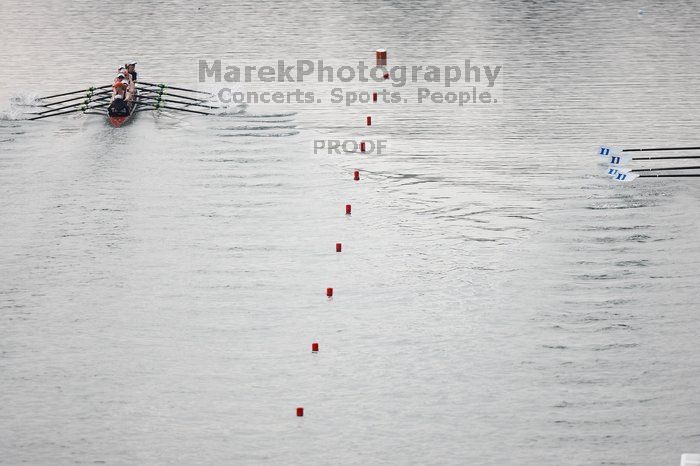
(386, 75)
(357, 175)
(314, 347)
(362, 146)
(329, 292)
(375, 96)
(338, 247)
(348, 209)
(381, 57)
(300, 411)
(369, 121)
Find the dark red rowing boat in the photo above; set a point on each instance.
(119, 120)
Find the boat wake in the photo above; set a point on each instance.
(233, 110)
(271, 115)
(259, 134)
(244, 123)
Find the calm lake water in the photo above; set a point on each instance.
(498, 300)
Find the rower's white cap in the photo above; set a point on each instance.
(131, 63)
(121, 75)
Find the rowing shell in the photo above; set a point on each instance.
(118, 121)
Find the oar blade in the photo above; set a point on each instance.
(615, 160)
(625, 177)
(608, 151)
(616, 170)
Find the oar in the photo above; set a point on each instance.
(49, 104)
(613, 170)
(88, 95)
(181, 109)
(606, 151)
(660, 148)
(77, 104)
(627, 177)
(152, 91)
(159, 99)
(79, 109)
(668, 157)
(617, 160)
(675, 175)
(693, 167)
(625, 174)
(75, 92)
(163, 86)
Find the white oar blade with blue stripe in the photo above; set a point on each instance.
(608, 151)
(614, 171)
(625, 177)
(615, 160)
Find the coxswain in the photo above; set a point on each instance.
(118, 106)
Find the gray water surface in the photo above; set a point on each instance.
(498, 301)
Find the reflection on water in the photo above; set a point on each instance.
(498, 300)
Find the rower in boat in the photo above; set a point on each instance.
(131, 68)
(119, 86)
(123, 76)
(131, 74)
(119, 105)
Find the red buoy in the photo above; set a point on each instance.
(300, 411)
(362, 146)
(348, 209)
(381, 57)
(357, 175)
(314, 347)
(386, 75)
(375, 96)
(369, 121)
(329, 292)
(338, 247)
